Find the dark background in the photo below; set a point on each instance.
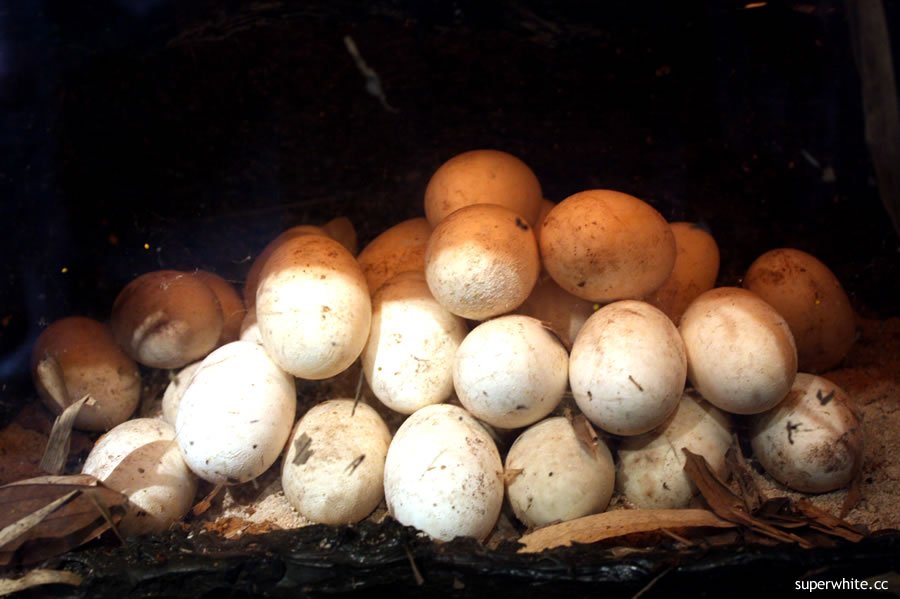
(147, 134)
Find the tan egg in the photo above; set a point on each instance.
(398, 249)
(546, 207)
(313, 307)
(233, 310)
(167, 319)
(810, 298)
(483, 177)
(559, 310)
(77, 356)
(481, 261)
(341, 229)
(741, 354)
(696, 269)
(252, 282)
(604, 245)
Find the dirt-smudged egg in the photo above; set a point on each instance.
(443, 474)
(553, 474)
(651, 466)
(810, 298)
(333, 470)
(627, 367)
(604, 246)
(813, 440)
(741, 354)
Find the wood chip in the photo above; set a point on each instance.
(619, 523)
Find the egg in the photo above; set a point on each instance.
(313, 307)
(627, 367)
(443, 474)
(510, 371)
(813, 440)
(553, 475)
(651, 466)
(236, 415)
(408, 358)
(741, 353)
(397, 249)
(333, 468)
(604, 246)
(812, 301)
(695, 271)
(140, 459)
(483, 177)
(482, 261)
(559, 310)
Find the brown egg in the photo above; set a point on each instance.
(695, 271)
(481, 261)
(559, 310)
(78, 356)
(398, 249)
(167, 319)
(233, 310)
(483, 177)
(252, 281)
(546, 207)
(604, 246)
(810, 298)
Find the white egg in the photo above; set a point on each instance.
(443, 474)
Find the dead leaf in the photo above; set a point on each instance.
(619, 523)
(740, 472)
(49, 515)
(57, 452)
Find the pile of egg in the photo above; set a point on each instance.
(473, 323)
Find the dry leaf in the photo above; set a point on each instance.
(740, 471)
(60, 441)
(619, 523)
(49, 515)
(38, 577)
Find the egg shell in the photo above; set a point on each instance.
(604, 245)
(559, 310)
(77, 356)
(553, 476)
(510, 371)
(179, 382)
(443, 474)
(651, 466)
(812, 301)
(140, 459)
(408, 358)
(813, 440)
(546, 207)
(167, 319)
(313, 307)
(741, 354)
(333, 471)
(397, 249)
(236, 415)
(482, 261)
(695, 271)
(627, 368)
(483, 177)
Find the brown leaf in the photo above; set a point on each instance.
(740, 472)
(619, 523)
(585, 433)
(48, 515)
(57, 452)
